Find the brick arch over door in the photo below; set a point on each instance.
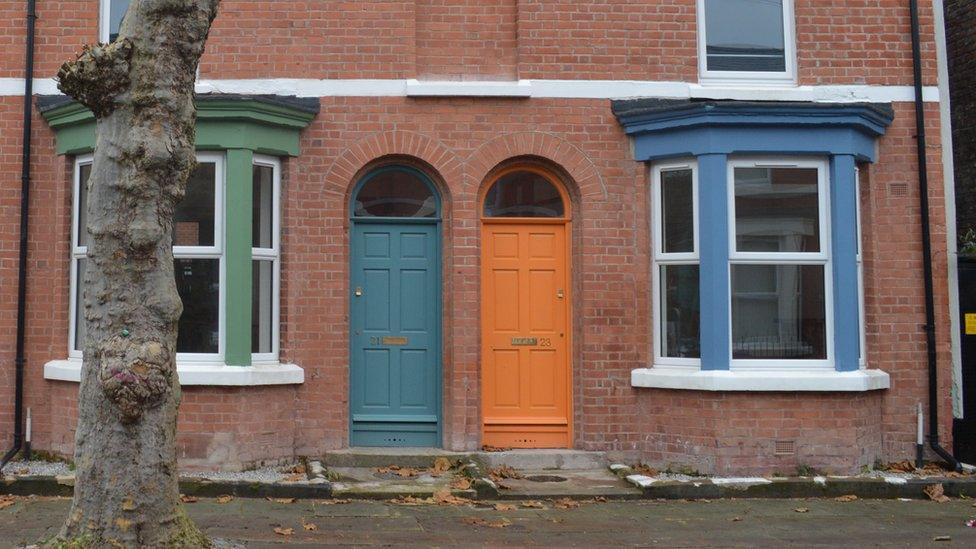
(569, 157)
(344, 170)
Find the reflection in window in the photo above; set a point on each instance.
(193, 220)
(262, 311)
(523, 194)
(680, 312)
(116, 12)
(395, 192)
(677, 209)
(777, 210)
(198, 282)
(262, 201)
(745, 36)
(80, 326)
(778, 312)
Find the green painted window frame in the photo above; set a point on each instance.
(245, 131)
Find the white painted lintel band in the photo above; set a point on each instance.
(213, 375)
(759, 381)
(542, 89)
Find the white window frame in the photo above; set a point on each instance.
(660, 258)
(862, 316)
(750, 78)
(272, 254)
(776, 258)
(104, 20)
(179, 252)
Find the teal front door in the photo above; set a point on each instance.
(395, 377)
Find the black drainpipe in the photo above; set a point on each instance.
(923, 185)
(24, 210)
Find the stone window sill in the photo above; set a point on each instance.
(200, 373)
(693, 379)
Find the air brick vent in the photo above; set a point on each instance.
(785, 448)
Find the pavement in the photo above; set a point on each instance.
(715, 523)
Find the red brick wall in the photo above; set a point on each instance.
(459, 141)
(467, 39)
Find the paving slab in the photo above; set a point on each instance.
(558, 459)
(577, 484)
(383, 457)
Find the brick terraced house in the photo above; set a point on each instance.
(683, 231)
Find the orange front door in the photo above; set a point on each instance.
(525, 335)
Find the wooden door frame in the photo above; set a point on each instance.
(567, 222)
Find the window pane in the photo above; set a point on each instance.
(84, 172)
(680, 319)
(262, 313)
(262, 218)
(193, 223)
(778, 312)
(395, 193)
(523, 194)
(745, 35)
(80, 328)
(116, 12)
(777, 210)
(198, 282)
(677, 211)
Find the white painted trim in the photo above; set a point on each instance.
(660, 377)
(272, 254)
(785, 78)
(519, 88)
(213, 375)
(541, 89)
(949, 190)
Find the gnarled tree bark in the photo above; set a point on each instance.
(140, 88)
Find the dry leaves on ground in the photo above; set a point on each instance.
(461, 483)
(284, 531)
(503, 472)
(532, 504)
(296, 477)
(410, 500)
(281, 500)
(899, 467)
(566, 503)
(402, 472)
(936, 493)
(645, 470)
(296, 469)
(489, 448)
(445, 497)
(847, 498)
(308, 526)
(477, 521)
(225, 499)
(801, 510)
(188, 499)
(504, 507)
(441, 466)
(7, 501)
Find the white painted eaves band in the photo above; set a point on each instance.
(561, 89)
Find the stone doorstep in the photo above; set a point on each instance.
(561, 459)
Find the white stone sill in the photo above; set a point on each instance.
(515, 88)
(758, 380)
(200, 373)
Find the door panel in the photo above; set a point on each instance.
(525, 342)
(395, 325)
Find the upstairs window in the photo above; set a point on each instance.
(746, 40)
(111, 18)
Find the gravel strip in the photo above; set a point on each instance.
(37, 468)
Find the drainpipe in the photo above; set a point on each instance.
(24, 211)
(923, 185)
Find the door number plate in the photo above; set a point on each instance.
(389, 340)
(524, 341)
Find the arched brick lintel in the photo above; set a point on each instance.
(544, 145)
(343, 171)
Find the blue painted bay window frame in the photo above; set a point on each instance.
(716, 133)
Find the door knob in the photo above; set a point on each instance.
(559, 293)
(359, 291)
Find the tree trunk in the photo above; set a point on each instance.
(140, 88)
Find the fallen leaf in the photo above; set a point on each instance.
(599, 499)
(296, 469)
(533, 505)
(334, 501)
(476, 521)
(504, 507)
(6, 501)
(801, 510)
(410, 500)
(309, 527)
(225, 499)
(498, 474)
(445, 497)
(736, 519)
(281, 500)
(489, 448)
(441, 466)
(847, 498)
(284, 531)
(128, 505)
(645, 470)
(936, 493)
(188, 499)
(461, 483)
(297, 477)
(566, 503)
(900, 467)
(942, 538)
